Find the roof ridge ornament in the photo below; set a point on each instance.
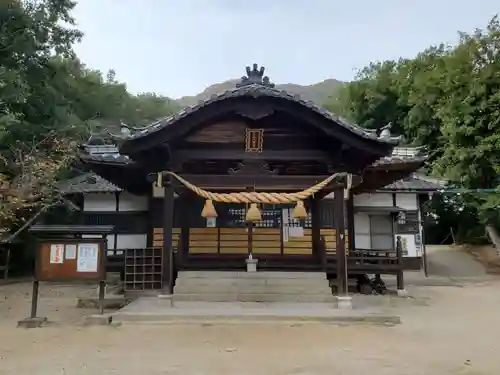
(255, 76)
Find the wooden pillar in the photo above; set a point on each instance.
(317, 250)
(400, 284)
(338, 211)
(184, 213)
(168, 223)
(350, 223)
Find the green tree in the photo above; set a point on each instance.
(469, 113)
(447, 99)
(49, 101)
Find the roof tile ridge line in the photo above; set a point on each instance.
(352, 126)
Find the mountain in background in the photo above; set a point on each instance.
(317, 93)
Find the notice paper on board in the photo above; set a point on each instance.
(70, 251)
(56, 253)
(88, 257)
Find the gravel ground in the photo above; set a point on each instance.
(445, 330)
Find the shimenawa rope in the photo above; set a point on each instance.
(253, 196)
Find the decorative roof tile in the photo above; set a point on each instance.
(413, 183)
(88, 183)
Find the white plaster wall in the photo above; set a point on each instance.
(407, 201)
(110, 239)
(373, 199)
(130, 202)
(99, 202)
(131, 241)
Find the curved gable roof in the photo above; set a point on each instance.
(257, 86)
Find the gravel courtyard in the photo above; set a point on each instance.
(445, 330)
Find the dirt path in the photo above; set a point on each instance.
(452, 261)
(445, 330)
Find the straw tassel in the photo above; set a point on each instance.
(209, 210)
(299, 212)
(253, 213)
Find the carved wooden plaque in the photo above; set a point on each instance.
(254, 140)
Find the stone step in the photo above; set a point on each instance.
(147, 311)
(250, 288)
(230, 282)
(250, 275)
(255, 297)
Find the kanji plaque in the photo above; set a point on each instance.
(254, 140)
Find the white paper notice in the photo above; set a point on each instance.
(56, 254)
(70, 251)
(296, 232)
(88, 257)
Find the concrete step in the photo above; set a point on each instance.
(230, 282)
(251, 288)
(255, 297)
(250, 275)
(234, 286)
(147, 310)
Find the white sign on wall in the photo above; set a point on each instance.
(408, 244)
(70, 251)
(56, 253)
(88, 257)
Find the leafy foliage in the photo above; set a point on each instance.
(49, 101)
(447, 99)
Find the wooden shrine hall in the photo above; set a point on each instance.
(254, 175)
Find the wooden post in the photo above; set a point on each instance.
(183, 244)
(249, 238)
(34, 299)
(168, 222)
(400, 285)
(102, 290)
(338, 211)
(317, 250)
(350, 222)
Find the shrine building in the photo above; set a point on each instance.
(254, 179)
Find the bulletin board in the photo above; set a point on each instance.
(70, 259)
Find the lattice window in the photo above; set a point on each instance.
(238, 216)
(143, 269)
(410, 225)
(271, 218)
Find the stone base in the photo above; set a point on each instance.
(98, 320)
(344, 302)
(403, 293)
(251, 265)
(109, 302)
(166, 300)
(36, 322)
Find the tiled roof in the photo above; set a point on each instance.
(88, 183)
(400, 155)
(414, 183)
(256, 91)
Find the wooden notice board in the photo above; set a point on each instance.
(70, 259)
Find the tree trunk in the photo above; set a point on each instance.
(494, 237)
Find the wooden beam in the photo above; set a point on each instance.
(259, 182)
(270, 155)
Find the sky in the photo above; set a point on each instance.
(180, 47)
